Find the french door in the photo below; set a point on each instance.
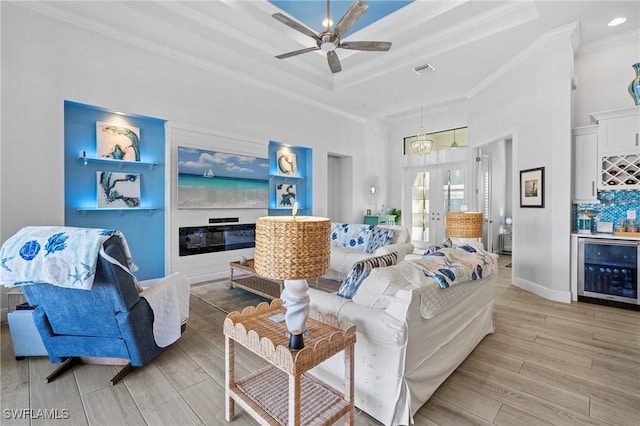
(431, 193)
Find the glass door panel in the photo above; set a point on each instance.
(428, 210)
(420, 206)
(453, 190)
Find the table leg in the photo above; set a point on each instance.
(348, 382)
(229, 363)
(231, 279)
(294, 400)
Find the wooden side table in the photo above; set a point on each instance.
(281, 394)
(253, 282)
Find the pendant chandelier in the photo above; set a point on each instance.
(421, 144)
(454, 145)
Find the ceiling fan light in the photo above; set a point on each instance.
(327, 46)
(327, 22)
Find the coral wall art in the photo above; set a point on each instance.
(117, 142)
(285, 195)
(116, 190)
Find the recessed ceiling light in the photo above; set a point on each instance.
(324, 23)
(423, 68)
(617, 21)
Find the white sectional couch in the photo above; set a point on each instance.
(411, 333)
(349, 244)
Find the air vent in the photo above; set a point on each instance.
(423, 69)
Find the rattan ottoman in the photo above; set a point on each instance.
(281, 393)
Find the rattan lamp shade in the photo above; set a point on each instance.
(464, 225)
(288, 249)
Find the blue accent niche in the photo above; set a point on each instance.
(285, 179)
(143, 227)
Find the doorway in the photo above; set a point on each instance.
(495, 199)
(339, 191)
(432, 192)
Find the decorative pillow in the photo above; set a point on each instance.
(335, 234)
(361, 270)
(432, 249)
(379, 237)
(379, 288)
(353, 236)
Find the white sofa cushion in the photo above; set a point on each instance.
(342, 259)
(380, 288)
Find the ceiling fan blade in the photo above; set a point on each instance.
(297, 52)
(295, 25)
(334, 61)
(350, 17)
(377, 46)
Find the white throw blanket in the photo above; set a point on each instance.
(57, 255)
(169, 300)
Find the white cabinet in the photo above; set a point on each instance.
(618, 131)
(585, 165)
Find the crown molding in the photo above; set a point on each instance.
(474, 29)
(610, 42)
(45, 8)
(551, 35)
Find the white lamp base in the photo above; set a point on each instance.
(296, 299)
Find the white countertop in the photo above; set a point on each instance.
(607, 236)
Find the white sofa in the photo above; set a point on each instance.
(411, 335)
(343, 258)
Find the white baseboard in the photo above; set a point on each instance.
(555, 295)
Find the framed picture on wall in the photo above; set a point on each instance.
(287, 165)
(285, 195)
(117, 190)
(532, 187)
(117, 142)
(219, 180)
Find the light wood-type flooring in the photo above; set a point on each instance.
(547, 363)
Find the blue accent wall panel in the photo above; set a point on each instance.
(302, 179)
(143, 229)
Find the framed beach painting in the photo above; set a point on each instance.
(116, 190)
(532, 187)
(219, 180)
(285, 195)
(117, 142)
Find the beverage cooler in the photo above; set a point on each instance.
(608, 271)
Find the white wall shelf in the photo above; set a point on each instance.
(120, 163)
(120, 212)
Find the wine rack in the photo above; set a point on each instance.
(621, 171)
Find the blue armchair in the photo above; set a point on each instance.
(110, 320)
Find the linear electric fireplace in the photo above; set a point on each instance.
(209, 239)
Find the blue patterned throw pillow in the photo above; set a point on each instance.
(379, 237)
(353, 236)
(361, 270)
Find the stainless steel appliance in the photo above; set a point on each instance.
(608, 271)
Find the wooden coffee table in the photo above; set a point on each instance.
(249, 280)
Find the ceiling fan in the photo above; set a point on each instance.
(328, 41)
